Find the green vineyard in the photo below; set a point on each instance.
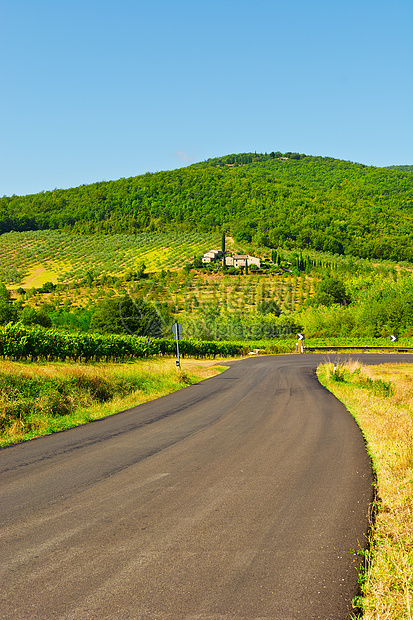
(22, 343)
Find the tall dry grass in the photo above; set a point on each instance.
(37, 399)
(381, 400)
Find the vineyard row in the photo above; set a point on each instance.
(28, 343)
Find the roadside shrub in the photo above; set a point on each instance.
(27, 399)
(99, 388)
(338, 374)
(55, 401)
(378, 386)
(347, 373)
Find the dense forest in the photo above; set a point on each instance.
(277, 199)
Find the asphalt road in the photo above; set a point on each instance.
(245, 496)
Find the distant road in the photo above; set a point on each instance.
(243, 497)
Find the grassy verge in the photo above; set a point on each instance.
(358, 342)
(42, 398)
(381, 400)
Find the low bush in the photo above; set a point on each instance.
(353, 374)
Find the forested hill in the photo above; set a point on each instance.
(403, 168)
(276, 199)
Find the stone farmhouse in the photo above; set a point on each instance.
(235, 260)
(212, 256)
(242, 260)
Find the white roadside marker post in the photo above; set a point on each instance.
(177, 334)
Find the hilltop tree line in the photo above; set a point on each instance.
(290, 200)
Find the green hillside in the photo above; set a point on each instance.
(402, 168)
(288, 200)
(32, 258)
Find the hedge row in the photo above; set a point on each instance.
(35, 343)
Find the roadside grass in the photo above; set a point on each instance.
(381, 400)
(37, 399)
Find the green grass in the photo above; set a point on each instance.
(357, 341)
(38, 399)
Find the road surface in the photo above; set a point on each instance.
(245, 496)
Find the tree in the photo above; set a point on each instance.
(333, 245)
(133, 315)
(331, 291)
(48, 287)
(140, 271)
(269, 306)
(8, 311)
(31, 316)
(4, 293)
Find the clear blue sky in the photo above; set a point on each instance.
(96, 90)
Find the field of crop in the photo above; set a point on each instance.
(234, 293)
(26, 255)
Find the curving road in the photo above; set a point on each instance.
(242, 497)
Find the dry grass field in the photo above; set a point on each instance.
(381, 400)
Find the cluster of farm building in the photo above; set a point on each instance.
(233, 260)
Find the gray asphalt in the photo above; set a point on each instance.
(245, 496)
